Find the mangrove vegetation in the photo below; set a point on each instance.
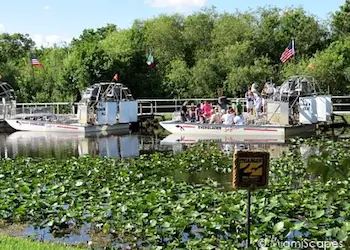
(193, 55)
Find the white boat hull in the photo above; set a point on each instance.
(40, 126)
(224, 139)
(235, 130)
(221, 129)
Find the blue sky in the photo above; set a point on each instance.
(50, 21)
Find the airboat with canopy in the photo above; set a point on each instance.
(8, 99)
(104, 107)
(293, 108)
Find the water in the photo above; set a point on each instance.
(60, 146)
(63, 145)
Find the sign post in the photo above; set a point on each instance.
(250, 171)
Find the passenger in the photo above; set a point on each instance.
(258, 104)
(192, 113)
(250, 102)
(207, 110)
(184, 112)
(227, 119)
(222, 101)
(267, 93)
(216, 116)
(239, 108)
(199, 114)
(254, 88)
(239, 119)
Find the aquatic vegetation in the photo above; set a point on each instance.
(174, 201)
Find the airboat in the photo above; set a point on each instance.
(292, 109)
(8, 100)
(104, 107)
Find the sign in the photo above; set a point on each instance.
(250, 169)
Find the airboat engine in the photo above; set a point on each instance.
(298, 101)
(107, 103)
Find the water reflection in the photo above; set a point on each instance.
(228, 144)
(63, 145)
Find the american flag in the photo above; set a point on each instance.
(35, 62)
(288, 52)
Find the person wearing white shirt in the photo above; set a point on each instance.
(258, 104)
(227, 119)
(238, 120)
(250, 101)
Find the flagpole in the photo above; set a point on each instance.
(293, 46)
(33, 74)
(295, 55)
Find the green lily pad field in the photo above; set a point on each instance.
(183, 201)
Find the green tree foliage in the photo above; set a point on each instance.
(341, 20)
(194, 55)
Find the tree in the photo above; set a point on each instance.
(14, 47)
(194, 55)
(164, 36)
(340, 20)
(178, 79)
(232, 28)
(241, 78)
(276, 28)
(331, 67)
(197, 34)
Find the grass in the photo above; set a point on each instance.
(13, 243)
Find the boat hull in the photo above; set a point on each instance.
(236, 130)
(224, 139)
(40, 126)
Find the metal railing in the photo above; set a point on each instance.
(341, 105)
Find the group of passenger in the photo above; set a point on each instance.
(222, 113)
(207, 113)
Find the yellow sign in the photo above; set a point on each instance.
(250, 169)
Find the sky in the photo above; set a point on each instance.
(58, 21)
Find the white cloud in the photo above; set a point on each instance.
(46, 7)
(49, 41)
(2, 28)
(177, 4)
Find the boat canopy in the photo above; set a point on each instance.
(7, 92)
(106, 91)
(299, 85)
